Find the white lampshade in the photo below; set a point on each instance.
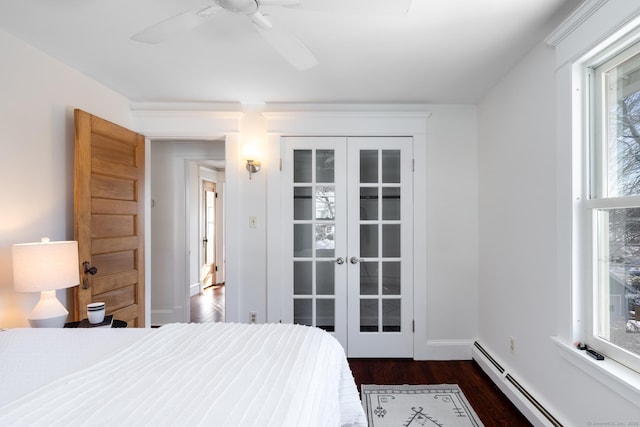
(44, 267)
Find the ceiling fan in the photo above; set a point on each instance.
(287, 45)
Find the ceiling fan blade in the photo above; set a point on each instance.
(289, 47)
(278, 2)
(359, 7)
(182, 22)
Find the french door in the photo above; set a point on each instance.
(347, 222)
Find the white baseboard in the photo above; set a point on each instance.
(161, 317)
(513, 389)
(195, 289)
(445, 350)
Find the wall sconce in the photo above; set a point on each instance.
(249, 152)
(253, 166)
(44, 267)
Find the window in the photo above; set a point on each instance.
(612, 208)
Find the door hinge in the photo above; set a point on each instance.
(280, 163)
(216, 195)
(216, 268)
(414, 164)
(413, 325)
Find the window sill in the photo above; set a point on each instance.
(619, 378)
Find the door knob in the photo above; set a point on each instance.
(354, 260)
(339, 260)
(89, 269)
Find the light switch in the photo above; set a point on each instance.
(253, 222)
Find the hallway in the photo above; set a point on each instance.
(208, 306)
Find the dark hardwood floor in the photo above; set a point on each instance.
(491, 405)
(208, 306)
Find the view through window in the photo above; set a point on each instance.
(614, 207)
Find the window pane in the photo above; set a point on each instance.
(391, 166)
(368, 166)
(391, 203)
(368, 315)
(325, 166)
(325, 314)
(302, 203)
(325, 240)
(391, 240)
(302, 166)
(368, 278)
(303, 312)
(368, 203)
(391, 315)
(325, 278)
(302, 278)
(621, 155)
(618, 277)
(369, 240)
(326, 202)
(391, 278)
(302, 240)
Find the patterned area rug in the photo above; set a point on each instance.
(417, 405)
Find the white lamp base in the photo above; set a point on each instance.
(48, 312)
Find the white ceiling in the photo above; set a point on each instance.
(442, 51)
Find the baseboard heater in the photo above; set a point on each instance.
(523, 400)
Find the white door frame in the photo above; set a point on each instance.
(197, 125)
(398, 121)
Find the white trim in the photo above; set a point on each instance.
(197, 125)
(195, 289)
(204, 125)
(147, 233)
(216, 107)
(165, 316)
(620, 379)
(449, 349)
(575, 20)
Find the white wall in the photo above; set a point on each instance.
(36, 149)
(520, 294)
(517, 293)
(452, 231)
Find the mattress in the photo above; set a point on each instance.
(214, 374)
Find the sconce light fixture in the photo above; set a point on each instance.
(250, 152)
(253, 166)
(44, 267)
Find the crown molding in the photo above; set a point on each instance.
(577, 18)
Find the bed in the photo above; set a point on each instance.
(214, 374)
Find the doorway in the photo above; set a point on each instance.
(208, 304)
(178, 169)
(207, 296)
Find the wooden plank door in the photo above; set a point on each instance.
(109, 218)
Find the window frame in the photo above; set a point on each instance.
(593, 189)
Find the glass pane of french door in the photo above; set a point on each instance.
(380, 247)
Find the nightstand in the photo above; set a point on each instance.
(115, 324)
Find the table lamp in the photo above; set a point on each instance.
(44, 267)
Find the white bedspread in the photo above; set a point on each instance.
(212, 374)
